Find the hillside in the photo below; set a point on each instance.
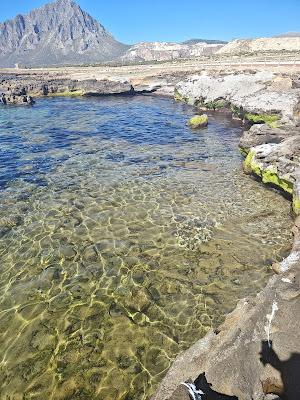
(250, 46)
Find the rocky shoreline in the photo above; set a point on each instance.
(39, 86)
(269, 103)
(271, 147)
(255, 354)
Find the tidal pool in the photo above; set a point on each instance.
(124, 238)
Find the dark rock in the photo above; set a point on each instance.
(38, 85)
(92, 87)
(14, 99)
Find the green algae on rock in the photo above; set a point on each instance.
(217, 105)
(269, 175)
(71, 93)
(296, 204)
(178, 96)
(198, 121)
(269, 119)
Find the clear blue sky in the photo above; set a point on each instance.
(131, 21)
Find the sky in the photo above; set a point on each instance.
(132, 21)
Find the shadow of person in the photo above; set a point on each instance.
(289, 370)
(209, 394)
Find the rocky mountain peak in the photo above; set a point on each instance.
(54, 34)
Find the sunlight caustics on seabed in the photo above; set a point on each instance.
(124, 237)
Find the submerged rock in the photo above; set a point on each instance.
(198, 121)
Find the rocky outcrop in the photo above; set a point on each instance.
(163, 51)
(257, 93)
(250, 46)
(56, 34)
(64, 87)
(277, 164)
(262, 134)
(255, 354)
(93, 87)
(274, 156)
(256, 351)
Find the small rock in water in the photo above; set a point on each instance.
(198, 121)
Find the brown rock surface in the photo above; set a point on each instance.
(262, 134)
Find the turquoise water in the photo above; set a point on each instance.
(124, 238)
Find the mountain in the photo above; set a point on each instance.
(165, 51)
(56, 34)
(261, 45)
(208, 41)
(289, 34)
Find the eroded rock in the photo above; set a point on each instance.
(249, 92)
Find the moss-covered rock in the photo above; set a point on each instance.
(267, 175)
(73, 93)
(269, 119)
(217, 104)
(244, 151)
(198, 121)
(296, 197)
(178, 96)
(296, 204)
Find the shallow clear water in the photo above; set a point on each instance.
(124, 237)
